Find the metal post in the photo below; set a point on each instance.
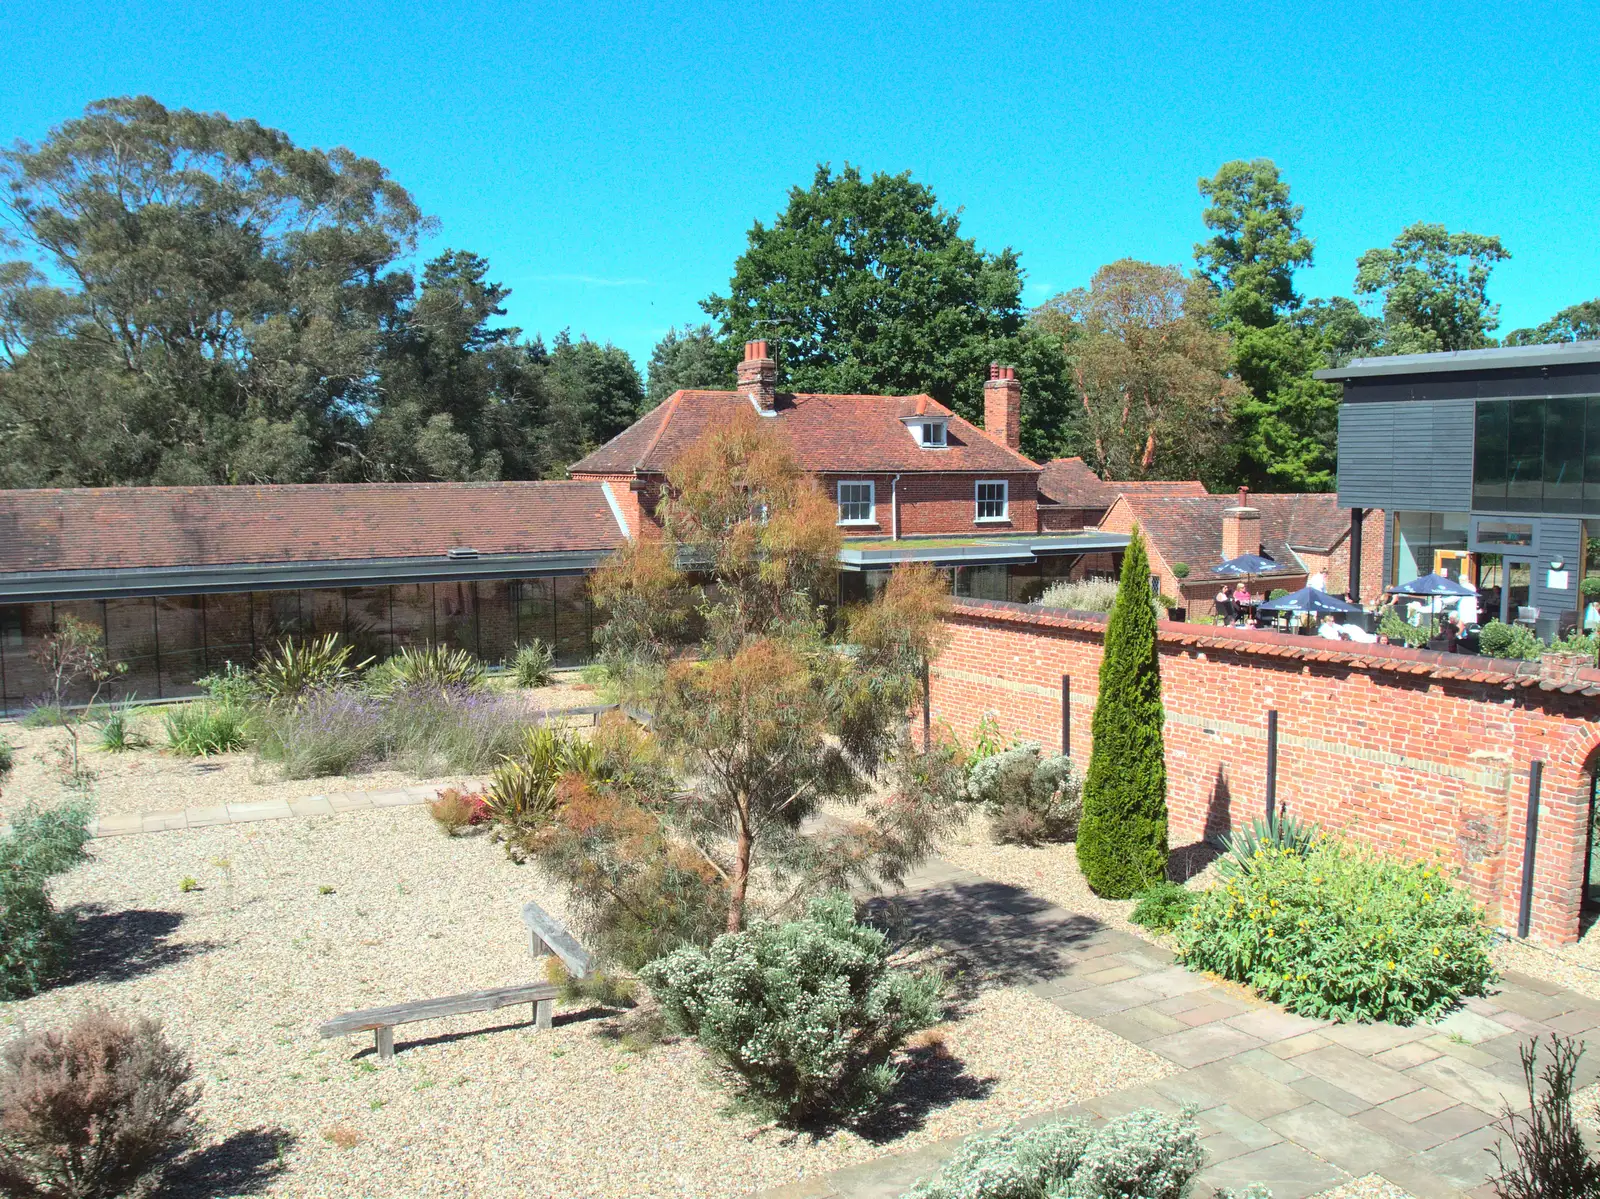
(927, 709)
(1530, 844)
(1066, 716)
(1272, 768)
(1356, 515)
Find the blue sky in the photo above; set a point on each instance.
(609, 159)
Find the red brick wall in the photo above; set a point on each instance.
(1067, 520)
(931, 504)
(1411, 751)
(638, 507)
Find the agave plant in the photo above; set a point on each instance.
(533, 664)
(1285, 834)
(522, 790)
(438, 666)
(296, 668)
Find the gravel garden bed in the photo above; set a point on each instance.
(156, 780)
(297, 920)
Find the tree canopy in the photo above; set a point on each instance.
(1434, 289)
(203, 301)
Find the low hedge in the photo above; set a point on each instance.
(1342, 932)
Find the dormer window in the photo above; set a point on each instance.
(930, 432)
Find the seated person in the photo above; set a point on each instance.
(1354, 632)
(1224, 604)
(1329, 630)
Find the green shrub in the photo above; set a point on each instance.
(1144, 1154)
(1500, 640)
(34, 937)
(1083, 595)
(232, 685)
(1285, 833)
(1401, 631)
(1180, 570)
(598, 986)
(296, 668)
(7, 758)
(1590, 587)
(1278, 593)
(533, 665)
(436, 666)
(1576, 642)
(93, 1111)
(118, 729)
(203, 728)
(1122, 836)
(1028, 797)
(44, 716)
(522, 790)
(1342, 932)
(802, 1017)
(1162, 908)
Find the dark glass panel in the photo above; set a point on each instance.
(1489, 454)
(1563, 455)
(179, 626)
(323, 612)
(413, 615)
(982, 582)
(366, 622)
(1026, 583)
(1591, 465)
(131, 640)
(497, 622)
(277, 616)
(1525, 458)
(455, 611)
(536, 610)
(26, 683)
(572, 618)
(229, 637)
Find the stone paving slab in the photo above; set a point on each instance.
(1354, 1147)
(124, 824)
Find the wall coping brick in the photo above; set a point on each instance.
(1401, 659)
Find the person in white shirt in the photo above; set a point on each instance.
(1328, 629)
(1319, 581)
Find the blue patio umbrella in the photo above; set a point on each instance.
(1309, 599)
(1435, 585)
(1246, 564)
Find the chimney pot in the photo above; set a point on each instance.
(1002, 406)
(758, 377)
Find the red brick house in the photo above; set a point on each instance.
(1305, 534)
(1072, 496)
(896, 466)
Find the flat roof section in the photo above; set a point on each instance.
(882, 553)
(1569, 353)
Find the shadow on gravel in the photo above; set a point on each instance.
(402, 1043)
(114, 947)
(990, 934)
(1186, 861)
(241, 1165)
(931, 1078)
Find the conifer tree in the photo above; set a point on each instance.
(1122, 839)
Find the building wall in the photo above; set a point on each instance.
(638, 507)
(934, 504)
(168, 643)
(1066, 520)
(1384, 746)
(1410, 455)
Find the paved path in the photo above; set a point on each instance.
(265, 809)
(1297, 1104)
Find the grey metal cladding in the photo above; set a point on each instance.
(1558, 538)
(1366, 455)
(1406, 455)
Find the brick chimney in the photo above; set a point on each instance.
(1002, 406)
(1241, 528)
(758, 377)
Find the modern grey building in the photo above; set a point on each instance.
(1488, 462)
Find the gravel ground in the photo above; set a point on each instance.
(299, 920)
(154, 780)
(1369, 1187)
(1576, 966)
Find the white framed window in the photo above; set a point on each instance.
(857, 502)
(933, 437)
(992, 500)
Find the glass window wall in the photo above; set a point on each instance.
(1537, 455)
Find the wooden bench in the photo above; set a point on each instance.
(548, 935)
(381, 1021)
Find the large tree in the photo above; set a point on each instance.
(1287, 427)
(866, 285)
(1434, 289)
(1580, 322)
(690, 358)
(205, 300)
(1150, 371)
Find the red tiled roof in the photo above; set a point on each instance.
(1071, 483)
(109, 528)
(1187, 528)
(826, 433)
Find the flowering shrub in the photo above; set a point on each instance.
(1142, 1155)
(457, 811)
(1342, 933)
(803, 1017)
(1030, 798)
